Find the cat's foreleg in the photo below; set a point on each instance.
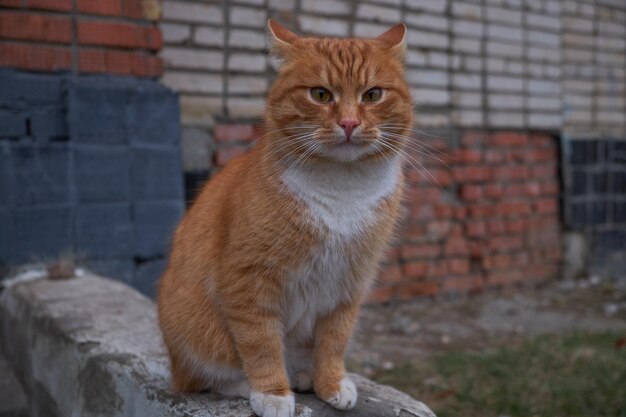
(332, 334)
(256, 328)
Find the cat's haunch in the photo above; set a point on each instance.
(271, 263)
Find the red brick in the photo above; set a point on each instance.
(415, 269)
(123, 35)
(493, 191)
(61, 5)
(495, 156)
(413, 232)
(498, 261)
(437, 268)
(444, 211)
(418, 289)
(549, 188)
(145, 65)
(422, 212)
(102, 7)
(118, 62)
(508, 139)
(548, 205)
(466, 283)
(472, 138)
(514, 190)
(381, 295)
(134, 9)
(225, 155)
(504, 278)
(479, 211)
(540, 155)
(475, 229)
(391, 273)
(496, 226)
(458, 266)
(11, 3)
(456, 246)
(532, 189)
(516, 226)
(510, 173)
(542, 139)
(392, 255)
(28, 26)
(468, 156)
(471, 192)
(413, 251)
(92, 60)
(460, 213)
(542, 172)
(441, 176)
(514, 208)
(472, 173)
(505, 243)
(35, 57)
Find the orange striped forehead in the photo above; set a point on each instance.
(342, 64)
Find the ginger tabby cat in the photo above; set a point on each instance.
(271, 263)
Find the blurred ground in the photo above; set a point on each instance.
(411, 345)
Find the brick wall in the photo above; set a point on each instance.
(514, 75)
(84, 36)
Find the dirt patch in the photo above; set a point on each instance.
(409, 332)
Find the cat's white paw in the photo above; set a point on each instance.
(345, 398)
(267, 405)
(302, 381)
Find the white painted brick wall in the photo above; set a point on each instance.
(189, 58)
(539, 63)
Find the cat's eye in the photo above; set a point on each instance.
(372, 95)
(321, 95)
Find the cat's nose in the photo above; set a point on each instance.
(348, 124)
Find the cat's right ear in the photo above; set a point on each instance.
(395, 39)
(280, 37)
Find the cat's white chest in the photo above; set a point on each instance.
(341, 202)
(342, 198)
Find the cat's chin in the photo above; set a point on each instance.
(347, 152)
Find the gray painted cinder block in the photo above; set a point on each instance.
(5, 174)
(12, 124)
(48, 123)
(153, 117)
(19, 89)
(5, 235)
(154, 224)
(40, 174)
(146, 276)
(96, 114)
(157, 174)
(104, 231)
(102, 174)
(40, 233)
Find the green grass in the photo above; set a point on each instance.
(574, 375)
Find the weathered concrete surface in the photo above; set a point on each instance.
(88, 346)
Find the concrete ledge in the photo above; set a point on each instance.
(88, 346)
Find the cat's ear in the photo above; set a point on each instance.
(395, 39)
(280, 37)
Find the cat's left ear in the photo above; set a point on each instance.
(395, 39)
(280, 37)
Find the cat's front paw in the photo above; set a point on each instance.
(345, 397)
(268, 405)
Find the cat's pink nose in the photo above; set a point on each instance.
(348, 124)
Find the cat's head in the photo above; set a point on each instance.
(339, 99)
